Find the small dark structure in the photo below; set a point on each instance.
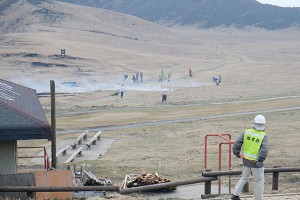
(63, 52)
(21, 118)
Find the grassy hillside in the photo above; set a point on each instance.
(204, 14)
(260, 71)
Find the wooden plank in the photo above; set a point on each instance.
(79, 139)
(93, 140)
(63, 151)
(97, 135)
(78, 152)
(83, 136)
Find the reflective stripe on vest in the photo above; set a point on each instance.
(252, 143)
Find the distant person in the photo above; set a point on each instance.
(141, 75)
(164, 98)
(137, 77)
(169, 77)
(133, 78)
(252, 147)
(190, 72)
(220, 79)
(160, 78)
(122, 90)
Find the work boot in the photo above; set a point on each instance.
(233, 197)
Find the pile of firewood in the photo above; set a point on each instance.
(143, 179)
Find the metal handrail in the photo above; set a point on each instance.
(274, 170)
(45, 156)
(227, 138)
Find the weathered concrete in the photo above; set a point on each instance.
(8, 153)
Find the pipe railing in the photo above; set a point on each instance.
(275, 171)
(160, 186)
(229, 142)
(45, 156)
(30, 190)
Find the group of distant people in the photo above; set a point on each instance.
(137, 76)
(161, 75)
(217, 80)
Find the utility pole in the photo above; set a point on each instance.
(53, 125)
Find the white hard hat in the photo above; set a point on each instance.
(260, 119)
(259, 122)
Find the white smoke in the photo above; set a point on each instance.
(83, 85)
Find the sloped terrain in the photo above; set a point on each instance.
(260, 71)
(102, 46)
(203, 13)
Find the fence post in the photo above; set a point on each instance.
(275, 181)
(53, 125)
(207, 187)
(207, 184)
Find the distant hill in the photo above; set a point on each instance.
(27, 15)
(204, 13)
(18, 16)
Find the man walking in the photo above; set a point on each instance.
(122, 90)
(141, 75)
(190, 72)
(252, 146)
(137, 77)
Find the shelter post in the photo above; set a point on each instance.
(53, 125)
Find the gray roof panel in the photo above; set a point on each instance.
(21, 114)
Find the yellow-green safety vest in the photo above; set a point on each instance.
(252, 143)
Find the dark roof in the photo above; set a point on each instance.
(21, 114)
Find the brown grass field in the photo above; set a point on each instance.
(260, 71)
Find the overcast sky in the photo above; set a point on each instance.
(283, 3)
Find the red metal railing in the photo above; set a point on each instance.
(227, 138)
(45, 156)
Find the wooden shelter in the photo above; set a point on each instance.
(21, 118)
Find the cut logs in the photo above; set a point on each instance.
(144, 179)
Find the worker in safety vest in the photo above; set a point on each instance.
(252, 146)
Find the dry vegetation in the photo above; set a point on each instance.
(103, 46)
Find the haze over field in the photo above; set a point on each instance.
(102, 46)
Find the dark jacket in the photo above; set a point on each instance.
(263, 152)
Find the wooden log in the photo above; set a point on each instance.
(76, 153)
(63, 151)
(93, 140)
(83, 136)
